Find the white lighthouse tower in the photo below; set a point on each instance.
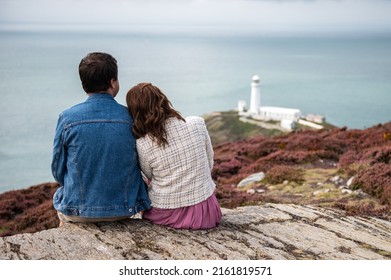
(255, 102)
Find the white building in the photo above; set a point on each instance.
(287, 117)
(255, 103)
(242, 106)
(278, 114)
(315, 118)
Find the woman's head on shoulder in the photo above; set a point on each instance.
(150, 109)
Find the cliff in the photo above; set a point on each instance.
(329, 169)
(270, 231)
(349, 169)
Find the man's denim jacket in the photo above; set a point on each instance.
(95, 161)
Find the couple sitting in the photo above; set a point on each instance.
(100, 146)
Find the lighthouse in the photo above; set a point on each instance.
(255, 102)
(287, 117)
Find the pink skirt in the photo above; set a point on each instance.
(204, 215)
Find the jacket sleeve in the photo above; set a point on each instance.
(59, 160)
(145, 164)
(209, 148)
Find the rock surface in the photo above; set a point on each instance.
(270, 231)
(251, 180)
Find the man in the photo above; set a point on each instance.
(94, 155)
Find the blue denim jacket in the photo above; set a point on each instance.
(95, 161)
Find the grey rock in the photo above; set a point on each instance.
(350, 181)
(319, 192)
(335, 179)
(253, 178)
(346, 191)
(269, 231)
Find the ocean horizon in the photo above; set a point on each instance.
(346, 78)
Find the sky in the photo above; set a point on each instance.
(263, 15)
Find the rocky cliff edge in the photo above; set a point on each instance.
(269, 231)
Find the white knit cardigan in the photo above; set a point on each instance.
(180, 172)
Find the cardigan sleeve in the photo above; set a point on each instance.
(143, 158)
(209, 148)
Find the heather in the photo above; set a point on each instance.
(375, 180)
(28, 210)
(281, 173)
(306, 167)
(362, 154)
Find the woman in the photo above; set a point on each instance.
(176, 157)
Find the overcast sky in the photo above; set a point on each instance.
(357, 15)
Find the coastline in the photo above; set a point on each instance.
(351, 88)
(334, 167)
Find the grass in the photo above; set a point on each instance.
(3, 229)
(303, 193)
(226, 126)
(317, 189)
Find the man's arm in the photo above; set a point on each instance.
(59, 160)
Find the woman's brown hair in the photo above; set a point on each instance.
(150, 109)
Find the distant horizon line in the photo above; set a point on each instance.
(191, 29)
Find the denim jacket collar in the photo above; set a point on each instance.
(100, 96)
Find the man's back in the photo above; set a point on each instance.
(95, 161)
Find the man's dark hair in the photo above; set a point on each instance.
(96, 71)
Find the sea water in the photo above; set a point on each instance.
(345, 78)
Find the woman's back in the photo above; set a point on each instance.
(176, 156)
(180, 171)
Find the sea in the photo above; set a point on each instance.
(344, 77)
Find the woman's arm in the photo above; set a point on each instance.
(209, 148)
(145, 164)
